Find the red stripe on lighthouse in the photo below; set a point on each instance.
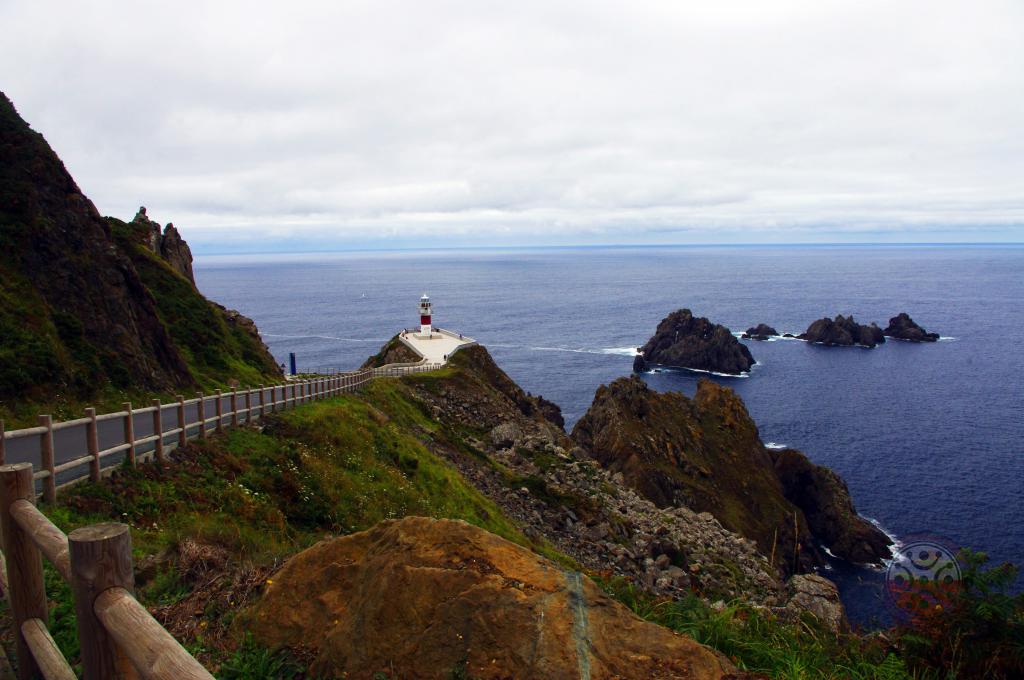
(424, 319)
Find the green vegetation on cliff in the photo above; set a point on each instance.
(215, 348)
(88, 315)
(212, 525)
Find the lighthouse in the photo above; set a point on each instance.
(425, 314)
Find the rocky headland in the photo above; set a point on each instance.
(902, 327)
(843, 331)
(761, 331)
(705, 454)
(682, 340)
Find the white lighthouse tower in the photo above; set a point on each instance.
(425, 314)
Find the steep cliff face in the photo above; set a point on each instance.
(687, 341)
(218, 344)
(168, 244)
(80, 310)
(705, 454)
(75, 312)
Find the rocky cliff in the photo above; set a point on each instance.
(685, 341)
(705, 454)
(75, 312)
(511, 447)
(77, 315)
(168, 244)
(843, 331)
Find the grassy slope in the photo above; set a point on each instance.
(328, 468)
(336, 467)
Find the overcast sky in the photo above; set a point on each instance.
(264, 125)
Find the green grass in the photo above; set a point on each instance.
(327, 468)
(760, 642)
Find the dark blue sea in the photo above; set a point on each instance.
(930, 437)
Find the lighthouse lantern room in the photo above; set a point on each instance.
(425, 314)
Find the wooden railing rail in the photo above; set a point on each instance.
(173, 424)
(118, 638)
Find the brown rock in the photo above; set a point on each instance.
(702, 453)
(175, 250)
(425, 598)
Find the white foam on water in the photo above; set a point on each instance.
(946, 338)
(894, 549)
(324, 337)
(776, 446)
(621, 351)
(661, 369)
(615, 351)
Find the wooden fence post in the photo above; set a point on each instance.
(101, 558)
(92, 441)
(263, 400)
(201, 413)
(220, 411)
(3, 444)
(158, 431)
(129, 432)
(248, 404)
(234, 407)
(26, 592)
(46, 460)
(182, 422)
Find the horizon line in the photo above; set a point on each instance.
(646, 246)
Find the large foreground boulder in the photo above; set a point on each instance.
(683, 340)
(843, 331)
(425, 598)
(902, 327)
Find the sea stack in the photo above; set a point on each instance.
(761, 331)
(685, 341)
(843, 331)
(902, 327)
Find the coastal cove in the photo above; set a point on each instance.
(926, 436)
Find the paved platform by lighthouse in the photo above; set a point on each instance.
(435, 345)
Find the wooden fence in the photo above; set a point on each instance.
(208, 413)
(118, 637)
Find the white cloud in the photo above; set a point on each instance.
(484, 122)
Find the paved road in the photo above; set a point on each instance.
(70, 442)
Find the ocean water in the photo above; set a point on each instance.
(929, 437)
